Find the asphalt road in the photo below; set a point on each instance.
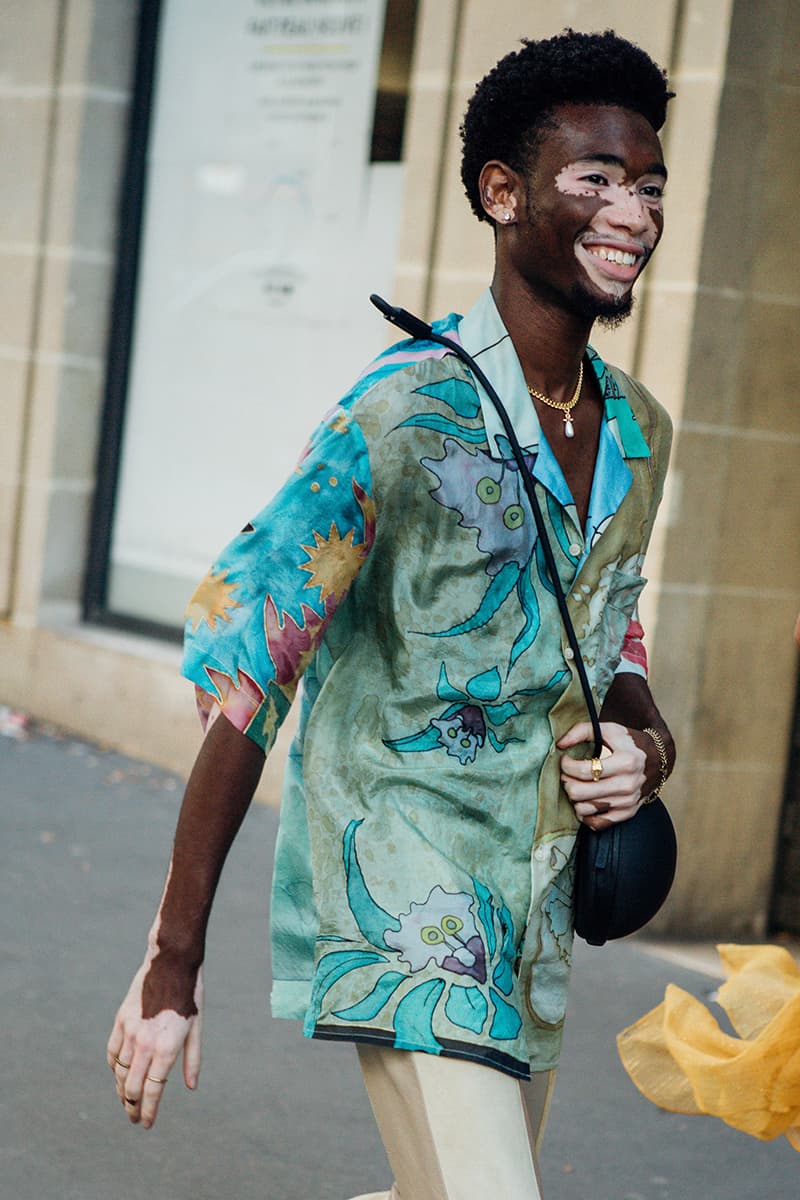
(84, 839)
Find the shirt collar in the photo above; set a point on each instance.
(483, 334)
(619, 416)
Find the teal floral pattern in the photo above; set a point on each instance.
(488, 496)
(471, 719)
(448, 963)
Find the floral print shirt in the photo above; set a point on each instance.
(422, 893)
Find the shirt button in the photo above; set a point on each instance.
(540, 853)
(574, 549)
(569, 654)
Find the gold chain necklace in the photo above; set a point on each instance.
(564, 406)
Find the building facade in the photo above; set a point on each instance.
(157, 267)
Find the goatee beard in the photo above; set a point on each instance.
(607, 311)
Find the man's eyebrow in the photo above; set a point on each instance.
(613, 160)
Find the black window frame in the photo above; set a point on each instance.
(130, 226)
(388, 127)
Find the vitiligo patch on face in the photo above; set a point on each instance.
(606, 182)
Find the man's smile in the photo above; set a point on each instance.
(611, 260)
(622, 257)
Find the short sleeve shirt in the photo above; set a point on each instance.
(422, 893)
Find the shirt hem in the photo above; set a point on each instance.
(448, 1048)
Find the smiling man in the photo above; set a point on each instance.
(422, 897)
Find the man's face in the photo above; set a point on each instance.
(594, 211)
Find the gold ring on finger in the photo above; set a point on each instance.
(597, 769)
(153, 1079)
(120, 1063)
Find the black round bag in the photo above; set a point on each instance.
(623, 874)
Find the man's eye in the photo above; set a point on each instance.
(653, 191)
(595, 179)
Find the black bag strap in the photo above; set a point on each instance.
(419, 329)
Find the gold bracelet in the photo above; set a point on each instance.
(663, 763)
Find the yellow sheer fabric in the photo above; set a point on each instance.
(679, 1058)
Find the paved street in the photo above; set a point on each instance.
(84, 838)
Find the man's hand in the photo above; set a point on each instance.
(142, 1051)
(629, 758)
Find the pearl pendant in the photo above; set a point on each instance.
(569, 428)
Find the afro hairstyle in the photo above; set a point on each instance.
(514, 103)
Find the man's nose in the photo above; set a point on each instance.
(629, 210)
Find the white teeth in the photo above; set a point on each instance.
(622, 257)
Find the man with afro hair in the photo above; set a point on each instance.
(424, 869)
(515, 102)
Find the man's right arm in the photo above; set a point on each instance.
(161, 1013)
(254, 624)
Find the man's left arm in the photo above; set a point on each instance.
(632, 764)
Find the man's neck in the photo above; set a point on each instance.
(549, 341)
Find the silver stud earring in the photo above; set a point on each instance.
(506, 216)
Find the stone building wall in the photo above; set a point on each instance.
(712, 336)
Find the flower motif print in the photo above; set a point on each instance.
(445, 964)
(463, 734)
(441, 930)
(488, 496)
(610, 610)
(470, 720)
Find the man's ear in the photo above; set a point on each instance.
(501, 192)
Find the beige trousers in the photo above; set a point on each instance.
(456, 1130)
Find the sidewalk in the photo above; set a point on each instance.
(85, 836)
